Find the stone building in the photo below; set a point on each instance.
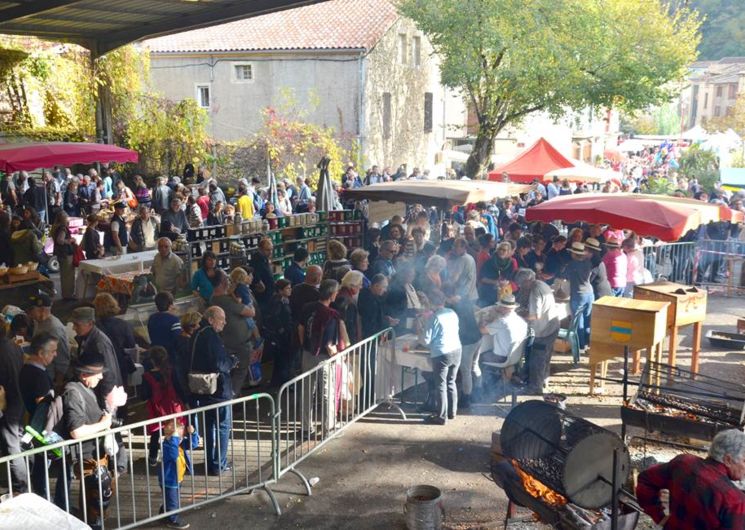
(354, 65)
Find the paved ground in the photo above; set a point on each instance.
(364, 474)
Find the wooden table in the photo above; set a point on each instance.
(618, 323)
(687, 306)
(16, 289)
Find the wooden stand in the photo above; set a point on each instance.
(625, 322)
(687, 306)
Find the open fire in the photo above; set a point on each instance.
(539, 490)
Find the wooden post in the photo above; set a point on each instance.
(696, 348)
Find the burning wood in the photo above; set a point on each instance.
(539, 490)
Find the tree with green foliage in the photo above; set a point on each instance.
(167, 135)
(515, 57)
(723, 28)
(701, 164)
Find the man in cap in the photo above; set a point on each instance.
(542, 316)
(82, 417)
(40, 311)
(91, 340)
(118, 228)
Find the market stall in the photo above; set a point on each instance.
(443, 194)
(663, 217)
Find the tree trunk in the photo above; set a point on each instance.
(478, 160)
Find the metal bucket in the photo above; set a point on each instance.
(423, 509)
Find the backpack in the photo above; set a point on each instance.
(163, 401)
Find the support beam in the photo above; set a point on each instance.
(214, 13)
(33, 8)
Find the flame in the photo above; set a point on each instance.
(539, 490)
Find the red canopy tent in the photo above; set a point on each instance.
(660, 216)
(533, 163)
(31, 156)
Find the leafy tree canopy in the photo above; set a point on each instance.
(515, 57)
(723, 28)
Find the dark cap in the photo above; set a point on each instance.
(83, 314)
(119, 205)
(39, 300)
(89, 364)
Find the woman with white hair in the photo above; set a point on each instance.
(431, 280)
(700, 490)
(346, 304)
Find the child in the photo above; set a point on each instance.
(161, 395)
(240, 279)
(176, 463)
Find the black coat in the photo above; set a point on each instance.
(371, 309)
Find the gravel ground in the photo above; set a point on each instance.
(364, 474)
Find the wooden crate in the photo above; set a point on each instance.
(18, 278)
(619, 322)
(687, 304)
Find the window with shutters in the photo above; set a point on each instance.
(732, 91)
(428, 99)
(386, 115)
(719, 91)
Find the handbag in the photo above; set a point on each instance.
(77, 255)
(133, 203)
(202, 384)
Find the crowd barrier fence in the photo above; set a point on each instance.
(266, 440)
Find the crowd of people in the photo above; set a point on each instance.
(481, 287)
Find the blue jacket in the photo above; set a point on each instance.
(169, 467)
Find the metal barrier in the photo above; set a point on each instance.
(720, 264)
(709, 263)
(123, 488)
(328, 397)
(675, 262)
(123, 468)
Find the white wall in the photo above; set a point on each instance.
(324, 86)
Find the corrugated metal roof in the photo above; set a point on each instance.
(103, 25)
(336, 24)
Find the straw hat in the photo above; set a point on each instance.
(612, 243)
(592, 244)
(507, 300)
(577, 248)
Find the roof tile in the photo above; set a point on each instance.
(334, 24)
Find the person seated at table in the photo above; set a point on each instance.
(167, 268)
(203, 281)
(504, 334)
(441, 335)
(142, 235)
